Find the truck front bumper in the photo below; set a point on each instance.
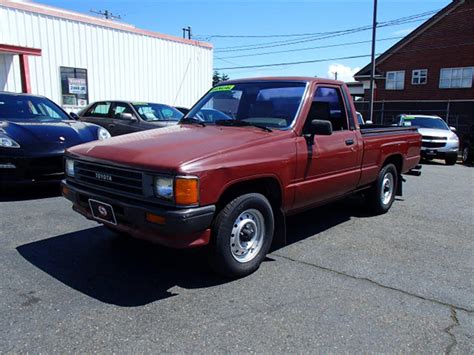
(178, 228)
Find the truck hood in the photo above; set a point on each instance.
(166, 149)
(433, 132)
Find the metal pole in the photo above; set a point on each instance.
(372, 70)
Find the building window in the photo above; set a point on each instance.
(74, 87)
(395, 80)
(419, 76)
(450, 78)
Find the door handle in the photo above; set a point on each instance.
(111, 125)
(349, 141)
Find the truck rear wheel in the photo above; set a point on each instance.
(382, 194)
(242, 235)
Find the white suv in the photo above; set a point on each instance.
(438, 139)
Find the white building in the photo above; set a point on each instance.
(75, 59)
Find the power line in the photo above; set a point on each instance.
(323, 35)
(307, 48)
(339, 58)
(299, 34)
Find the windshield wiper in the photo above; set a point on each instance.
(192, 120)
(239, 123)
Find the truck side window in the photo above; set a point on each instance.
(328, 104)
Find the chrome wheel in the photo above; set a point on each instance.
(386, 192)
(246, 237)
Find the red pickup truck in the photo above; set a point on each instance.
(249, 153)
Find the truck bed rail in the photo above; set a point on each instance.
(380, 129)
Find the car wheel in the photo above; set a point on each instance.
(466, 156)
(451, 160)
(242, 235)
(382, 194)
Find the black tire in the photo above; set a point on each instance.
(375, 201)
(451, 160)
(466, 155)
(224, 260)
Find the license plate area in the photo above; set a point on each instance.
(102, 211)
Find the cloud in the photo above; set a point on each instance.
(404, 31)
(344, 73)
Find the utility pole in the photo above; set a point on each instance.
(335, 75)
(107, 14)
(372, 69)
(187, 30)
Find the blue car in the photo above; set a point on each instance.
(34, 132)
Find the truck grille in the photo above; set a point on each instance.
(109, 178)
(433, 142)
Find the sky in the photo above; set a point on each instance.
(277, 19)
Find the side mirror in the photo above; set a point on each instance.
(127, 116)
(452, 128)
(317, 127)
(320, 128)
(74, 115)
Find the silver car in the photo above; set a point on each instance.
(438, 139)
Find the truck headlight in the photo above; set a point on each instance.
(183, 190)
(7, 142)
(102, 134)
(70, 168)
(164, 188)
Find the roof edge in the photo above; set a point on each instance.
(79, 17)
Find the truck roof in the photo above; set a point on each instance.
(285, 78)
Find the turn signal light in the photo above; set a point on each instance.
(186, 191)
(153, 218)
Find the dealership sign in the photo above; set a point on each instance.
(77, 86)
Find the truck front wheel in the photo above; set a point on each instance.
(382, 194)
(242, 235)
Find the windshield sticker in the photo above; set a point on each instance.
(222, 88)
(140, 103)
(409, 118)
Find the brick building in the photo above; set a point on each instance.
(430, 71)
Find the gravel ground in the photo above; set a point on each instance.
(347, 281)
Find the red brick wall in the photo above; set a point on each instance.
(457, 28)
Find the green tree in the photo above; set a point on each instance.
(217, 78)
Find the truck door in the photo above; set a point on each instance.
(331, 163)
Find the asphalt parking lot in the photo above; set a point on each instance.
(346, 282)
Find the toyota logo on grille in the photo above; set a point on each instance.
(103, 177)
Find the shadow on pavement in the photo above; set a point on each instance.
(118, 270)
(130, 273)
(29, 192)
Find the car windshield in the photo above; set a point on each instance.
(266, 104)
(157, 112)
(29, 107)
(425, 122)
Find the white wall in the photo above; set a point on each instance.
(120, 64)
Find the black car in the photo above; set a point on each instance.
(34, 132)
(122, 117)
(467, 146)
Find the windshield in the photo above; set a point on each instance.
(29, 107)
(269, 104)
(157, 112)
(424, 122)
